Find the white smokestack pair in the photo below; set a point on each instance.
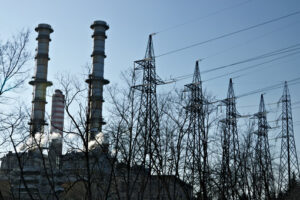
(96, 81)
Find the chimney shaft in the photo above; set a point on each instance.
(57, 125)
(39, 81)
(57, 112)
(96, 79)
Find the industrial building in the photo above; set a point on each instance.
(36, 172)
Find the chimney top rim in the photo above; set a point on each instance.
(99, 23)
(44, 26)
(58, 91)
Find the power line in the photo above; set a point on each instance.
(297, 102)
(244, 74)
(272, 87)
(259, 57)
(252, 39)
(266, 55)
(202, 17)
(294, 81)
(230, 34)
(269, 104)
(247, 106)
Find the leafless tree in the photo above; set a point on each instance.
(18, 156)
(14, 56)
(86, 164)
(122, 127)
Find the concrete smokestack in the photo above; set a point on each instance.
(57, 126)
(39, 81)
(96, 79)
(57, 113)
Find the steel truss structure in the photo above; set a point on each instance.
(196, 157)
(289, 167)
(230, 167)
(263, 180)
(148, 119)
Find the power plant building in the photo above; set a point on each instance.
(41, 171)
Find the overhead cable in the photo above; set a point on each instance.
(230, 34)
(202, 17)
(293, 48)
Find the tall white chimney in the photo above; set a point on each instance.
(40, 82)
(96, 79)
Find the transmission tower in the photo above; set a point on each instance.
(289, 168)
(230, 147)
(196, 161)
(148, 119)
(263, 175)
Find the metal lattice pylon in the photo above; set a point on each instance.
(196, 158)
(148, 119)
(230, 147)
(263, 180)
(289, 168)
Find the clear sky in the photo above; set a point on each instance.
(131, 21)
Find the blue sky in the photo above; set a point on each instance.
(131, 21)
